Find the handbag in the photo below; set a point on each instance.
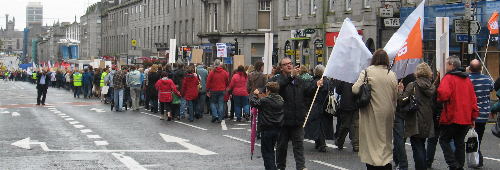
(409, 104)
(175, 99)
(331, 107)
(471, 148)
(365, 93)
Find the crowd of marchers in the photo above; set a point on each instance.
(425, 107)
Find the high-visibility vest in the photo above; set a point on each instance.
(77, 79)
(103, 75)
(34, 76)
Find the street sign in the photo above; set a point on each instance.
(134, 43)
(465, 38)
(386, 12)
(391, 22)
(475, 27)
(309, 31)
(461, 27)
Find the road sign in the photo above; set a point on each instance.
(221, 50)
(391, 22)
(462, 27)
(134, 43)
(462, 38)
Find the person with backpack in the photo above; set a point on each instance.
(166, 88)
(419, 124)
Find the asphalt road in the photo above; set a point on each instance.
(71, 133)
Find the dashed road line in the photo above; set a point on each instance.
(193, 126)
(86, 131)
(74, 122)
(65, 116)
(493, 159)
(239, 139)
(68, 119)
(101, 143)
(242, 124)
(329, 165)
(329, 145)
(78, 126)
(93, 136)
(238, 128)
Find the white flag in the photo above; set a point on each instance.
(349, 55)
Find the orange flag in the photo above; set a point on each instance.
(413, 45)
(493, 23)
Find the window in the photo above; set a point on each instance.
(299, 7)
(264, 15)
(348, 5)
(366, 3)
(287, 6)
(192, 29)
(331, 5)
(175, 4)
(312, 7)
(213, 20)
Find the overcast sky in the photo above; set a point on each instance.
(64, 10)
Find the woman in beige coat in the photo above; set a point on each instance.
(376, 119)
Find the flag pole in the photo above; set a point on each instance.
(486, 52)
(310, 108)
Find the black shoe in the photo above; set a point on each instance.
(355, 149)
(38, 104)
(191, 120)
(43, 104)
(219, 121)
(213, 120)
(322, 149)
(238, 119)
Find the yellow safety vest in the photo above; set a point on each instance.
(103, 75)
(77, 80)
(34, 76)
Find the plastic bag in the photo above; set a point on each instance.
(472, 148)
(104, 90)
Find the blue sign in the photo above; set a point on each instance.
(228, 60)
(462, 38)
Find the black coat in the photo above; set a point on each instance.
(47, 80)
(270, 111)
(320, 123)
(294, 92)
(347, 100)
(153, 77)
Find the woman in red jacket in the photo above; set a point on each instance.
(166, 87)
(240, 94)
(190, 92)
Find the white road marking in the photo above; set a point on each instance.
(65, 116)
(329, 145)
(101, 143)
(93, 136)
(78, 126)
(239, 139)
(74, 122)
(5, 112)
(69, 119)
(238, 128)
(51, 107)
(191, 148)
(62, 114)
(223, 125)
(193, 126)
(128, 161)
(493, 159)
(85, 130)
(15, 114)
(329, 165)
(242, 124)
(57, 112)
(151, 114)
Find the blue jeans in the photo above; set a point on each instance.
(239, 103)
(202, 102)
(217, 104)
(399, 151)
(77, 91)
(118, 97)
(183, 107)
(419, 152)
(86, 91)
(192, 108)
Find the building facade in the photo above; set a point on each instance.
(90, 32)
(34, 14)
(194, 24)
(12, 40)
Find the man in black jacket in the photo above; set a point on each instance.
(270, 106)
(293, 90)
(348, 116)
(42, 84)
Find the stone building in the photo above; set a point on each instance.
(194, 24)
(90, 36)
(12, 40)
(48, 44)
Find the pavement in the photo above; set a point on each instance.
(70, 133)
